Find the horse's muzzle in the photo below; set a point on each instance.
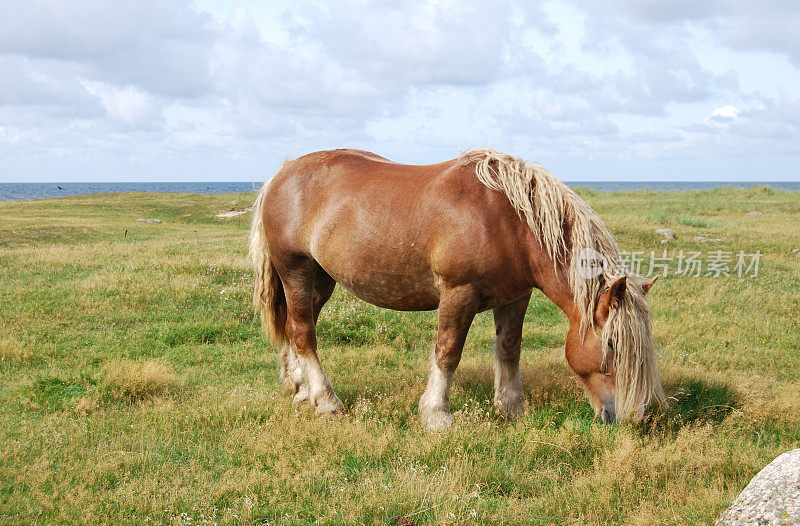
(608, 415)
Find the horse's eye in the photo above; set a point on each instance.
(610, 345)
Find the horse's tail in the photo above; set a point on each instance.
(269, 300)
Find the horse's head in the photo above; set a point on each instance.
(615, 360)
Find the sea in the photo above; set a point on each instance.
(27, 191)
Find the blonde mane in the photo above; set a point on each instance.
(569, 230)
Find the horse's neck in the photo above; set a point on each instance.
(553, 281)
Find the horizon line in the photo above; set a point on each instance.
(562, 180)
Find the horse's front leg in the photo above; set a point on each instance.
(509, 398)
(457, 308)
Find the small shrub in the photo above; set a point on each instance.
(695, 222)
(128, 381)
(50, 393)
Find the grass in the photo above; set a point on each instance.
(130, 381)
(137, 388)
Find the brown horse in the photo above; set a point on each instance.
(475, 233)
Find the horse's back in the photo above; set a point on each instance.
(321, 186)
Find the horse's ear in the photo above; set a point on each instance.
(647, 284)
(610, 298)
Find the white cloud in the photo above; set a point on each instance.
(725, 114)
(766, 25)
(415, 42)
(129, 106)
(158, 45)
(138, 84)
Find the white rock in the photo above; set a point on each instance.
(149, 220)
(666, 232)
(772, 497)
(754, 213)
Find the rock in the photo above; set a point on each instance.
(701, 239)
(235, 212)
(666, 232)
(149, 220)
(772, 497)
(796, 251)
(754, 213)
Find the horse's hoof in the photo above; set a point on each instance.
(329, 405)
(334, 415)
(511, 407)
(437, 420)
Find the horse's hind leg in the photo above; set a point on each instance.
(291, 373)
(457, 308)
(303, 301)
(509, 398)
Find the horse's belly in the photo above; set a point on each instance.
(393, 279)
(390, 296)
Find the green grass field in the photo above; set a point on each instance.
(136, 386)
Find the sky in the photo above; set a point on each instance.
(205, 90)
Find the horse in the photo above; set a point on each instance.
(463, 236)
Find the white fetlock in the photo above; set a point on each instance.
(292, 376)
(437, 420)
(434, 412)
(434, 406)
(302, 396)
(289, 384)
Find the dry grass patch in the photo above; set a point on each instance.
(110, 279)
(86, 404)
(778, 405)
(185, 284)
(12, 350)
(129, 381)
